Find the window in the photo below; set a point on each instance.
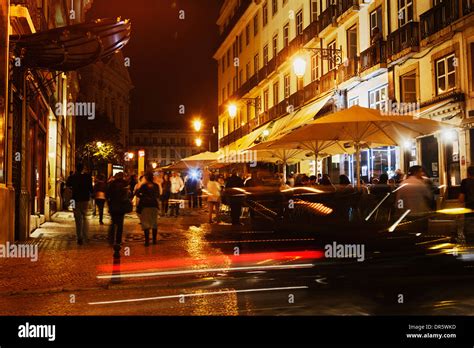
(183, 142)
(274, 7)
(223, 94)
(287, 85)
(240, 39)
(155, 141)
(445, 74)
(299, 22)
(265, 13)
(314, 10)
(265, 100)
(408, 88)
(163, 141)
(223, 64)
(241, 77)
(247, 35)
(286, 35)
(255, 25)
(472, 64)
(155, 153)
(173, 141)
(172, 154)
(405, 12)
(265, 55)
(331, 63)
(376, 20)
(275, 93)
(378, 98)
(352, 43)
(275, 45)
(256, 64)
(314, 67)
(353, 101)
(228, 57)
(228, 90)
(258, 104)
(163, 153)
(247, 71)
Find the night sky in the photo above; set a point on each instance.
(171, 59)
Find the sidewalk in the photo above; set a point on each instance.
(63, 265)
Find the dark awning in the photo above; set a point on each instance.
(72, 47)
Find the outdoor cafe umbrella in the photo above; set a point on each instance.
(359, 126)
(198, 160)
(285, 155)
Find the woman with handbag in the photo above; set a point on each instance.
(118, 196)
(148, 195)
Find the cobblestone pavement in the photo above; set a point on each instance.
(63, 265)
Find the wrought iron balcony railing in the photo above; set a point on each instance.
(374, 55)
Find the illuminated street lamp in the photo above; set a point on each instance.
(131, 155)
(232, 110)
(99, 144)
(197, 124)
(198, 142)
(154, 165)
(299, 67)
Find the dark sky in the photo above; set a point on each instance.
(171, 59)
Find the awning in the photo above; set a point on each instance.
(443, 111)
(72, 47)
(307, 113)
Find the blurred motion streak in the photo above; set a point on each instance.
(216, 260)
(200, 294)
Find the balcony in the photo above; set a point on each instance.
(296, 99)
(344, 6)
(406, 38)
(310, 32)
(328, 17)
(328, 81)
(373, 56)
(311, 90)
(235, 19)
(348, 70)
(443, 15)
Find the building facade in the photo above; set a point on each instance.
(107, 84)
(406, 56)
(164, 146)
(38, 144)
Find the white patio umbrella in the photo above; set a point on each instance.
(360, 127)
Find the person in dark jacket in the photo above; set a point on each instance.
(81, 186)
(118, 197)
(165, 194)
(148, 194)
(235, 198)
(100, 188)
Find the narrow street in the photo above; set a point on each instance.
(199, 269)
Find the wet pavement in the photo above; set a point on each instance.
(220, 269)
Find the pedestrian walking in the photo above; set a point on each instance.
(235, 199)
(81, 186)
(165, 194)
(100, 189)
(415, 195)
(214, 196)
(466, 197)
(148, 195)
(177, 185)
(118, 196)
